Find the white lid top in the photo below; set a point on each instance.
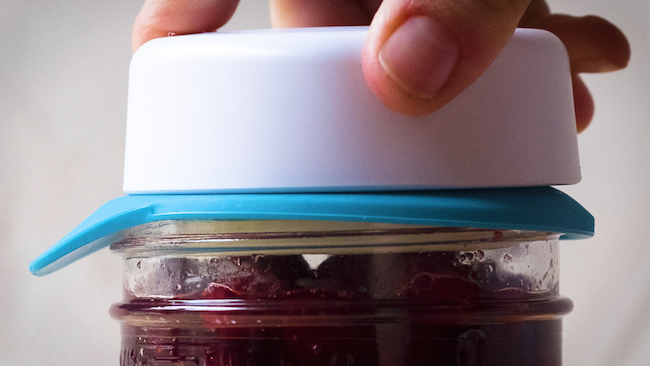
(290, 111)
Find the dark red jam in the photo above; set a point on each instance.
(404, 309)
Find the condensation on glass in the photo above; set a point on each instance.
(277, 292)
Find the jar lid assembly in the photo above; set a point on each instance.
(280, 124)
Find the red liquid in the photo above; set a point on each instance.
(399, 310)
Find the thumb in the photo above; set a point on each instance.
(420, 54)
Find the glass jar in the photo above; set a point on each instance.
(309, 225)
(283, 292)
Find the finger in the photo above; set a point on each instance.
(583, 104)
(420, 54)
(160, 18)
(536, 10)
(319, 13)
(594, 44)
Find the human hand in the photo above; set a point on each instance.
(419, 54)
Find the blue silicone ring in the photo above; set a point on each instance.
(537, 209)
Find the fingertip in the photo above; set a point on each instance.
(419, 55)
(583, 103)
(594, 44)
(160, 18)
(407, 69)
(392, 94)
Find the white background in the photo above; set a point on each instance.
(63, 78)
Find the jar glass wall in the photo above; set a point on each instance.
(279, 292)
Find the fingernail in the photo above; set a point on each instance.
(420, 56)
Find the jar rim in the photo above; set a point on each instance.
(172, 237)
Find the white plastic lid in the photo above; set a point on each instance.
(290, 111)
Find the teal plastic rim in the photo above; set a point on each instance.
(536, 209)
